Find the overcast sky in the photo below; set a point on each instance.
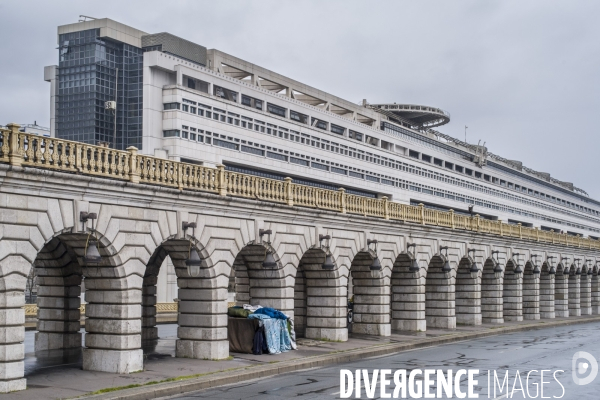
(523, 75)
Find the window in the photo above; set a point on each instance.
(298, 161)
(252, 150)
(356, 175)
(171, 106)
(437, 161)
(449, 165)
(372, 178)
(195, 84)
(355, 135)
(413, 154)
(185, 107)
(273, 109)
(468, 171)
(225, 144)
(458, 168)
(338, 129)
(184, 134)
(225, 93)
(171, 133)
(486, 177)
(477, 174)
(193, 136)
(387, 182)
(339, 170)
(252, 102)
(320, 166)
(426, 158)
(296, 116)
(276, 156)
(317, 123)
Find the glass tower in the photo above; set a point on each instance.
(90, 68)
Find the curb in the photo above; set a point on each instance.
(262, 371)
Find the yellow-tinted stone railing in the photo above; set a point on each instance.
(32, 309)
(23, 149)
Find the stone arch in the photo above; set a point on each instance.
(408, 296)
(531, 292)
(586, 290)
(371, 295)
(59, 277)
(512, 293)
(574, 284)
(268, 287)
(440, 300)
(561, 291)
(491, 293)
(468, 294)
(547, 292)
(320, 299)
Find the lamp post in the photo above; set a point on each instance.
(194, 262)
(91, 255)
(328, 264)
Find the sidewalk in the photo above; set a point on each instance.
(165, 375)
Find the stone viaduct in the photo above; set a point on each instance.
(437, 269)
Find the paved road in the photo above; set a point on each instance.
(548, 349)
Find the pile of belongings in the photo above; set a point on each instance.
(272, 331)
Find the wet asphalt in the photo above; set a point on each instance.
(545, 349)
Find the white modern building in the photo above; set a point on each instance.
(208, 107)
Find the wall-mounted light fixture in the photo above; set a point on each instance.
(536, 269)
(91, 255)
(566, 267)
(446, 268)
(194, 262)
(375, 265)
(414, 265)
(328, 264)
(474, 267)
(589, 267)
(269, 261)
(578, 270)
(497, 268)
(518, 270)
(552, 269)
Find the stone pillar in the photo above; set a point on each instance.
(440, 300)
(12, 335)
(547, 295)
(300, 304)
(531, 296)
(149, 329)
(468, 298)
(595, 287)
(113, 325)
(574, 294)
(586, 294)
(512, 296)
(371, 304)
(408, 301)
(326, 307)
(202, 330)
(561, 295)
(491, 297)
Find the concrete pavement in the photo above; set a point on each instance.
(59, 375)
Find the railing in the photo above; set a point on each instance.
(32, 309)
(23, 149)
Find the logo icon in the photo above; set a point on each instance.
(581, 367)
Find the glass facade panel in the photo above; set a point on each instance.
(87, 76)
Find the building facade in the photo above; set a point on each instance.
(180, 101)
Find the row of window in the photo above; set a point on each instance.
(323, 125)
(300, 159)
(260, 126)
